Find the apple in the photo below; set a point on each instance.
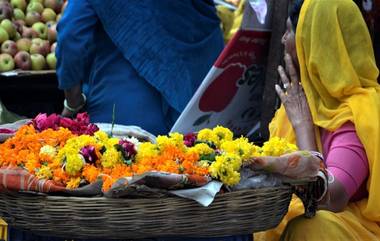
(39, 46)
(35, 7)
(48, 15)
(6, 10)
(9, 27)
(17, 36)
(23, 44)
(19, 4)
(38, 1)
(51, 61)
(32, 18)
(41, 29)
(52, 31)
(18, 14)
(9, 47)
(56, 5)
(6, 62)
(53, 47)
(29, 33)
(19, 24)
(38, 62)
(23, 60)
(3, 35)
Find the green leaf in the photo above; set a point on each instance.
(113, 119)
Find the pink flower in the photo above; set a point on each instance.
(43, 122)
(80, 125)
(83, 118)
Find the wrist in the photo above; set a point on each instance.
(75, 106)
(302, 125)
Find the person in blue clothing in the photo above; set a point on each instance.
(146, 58)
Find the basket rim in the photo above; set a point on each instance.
(49, 196)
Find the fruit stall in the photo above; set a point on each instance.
(28, 83)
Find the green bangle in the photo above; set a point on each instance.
(76, 109)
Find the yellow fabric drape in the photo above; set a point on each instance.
(230, 20)
(339, 75)
(3, 230)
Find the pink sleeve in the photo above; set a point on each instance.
(345, 157)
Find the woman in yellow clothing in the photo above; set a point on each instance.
(330, 97)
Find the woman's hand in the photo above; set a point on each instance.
(293, 96)
(296, 106)
(297, 165)
(74, 102)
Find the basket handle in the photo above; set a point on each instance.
(307, 194)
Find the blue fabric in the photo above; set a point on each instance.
(145, 57)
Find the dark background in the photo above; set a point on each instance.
(31, 94)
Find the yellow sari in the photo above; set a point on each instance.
(338, 73)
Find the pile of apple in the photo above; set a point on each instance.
(28, 33)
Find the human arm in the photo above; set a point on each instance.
(298, 112)
(75, 35)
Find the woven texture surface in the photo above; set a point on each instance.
(240, 212)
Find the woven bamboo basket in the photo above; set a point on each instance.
(240, 212)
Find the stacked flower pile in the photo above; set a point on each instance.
(74, 152)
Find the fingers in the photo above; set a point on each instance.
(291, 70)
(280, 93)
(283, 76)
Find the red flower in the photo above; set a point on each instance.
(190, 139)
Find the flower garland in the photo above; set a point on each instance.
(82, 154)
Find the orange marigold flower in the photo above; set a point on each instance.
(90, 173)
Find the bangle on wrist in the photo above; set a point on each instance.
(322, 176)
(76, 109)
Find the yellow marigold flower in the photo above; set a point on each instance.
(110, 158)
(177, 138)
(101, 136)
(147, 150)
(73, 183)
(223, 133)
(163, 141)
(276, 147)
(208, 135)
(74, 163)
(241, 147)
(44, 173)
(48, 150)
(111, 142)
(226, 168)
(174, 139)
(201, 149)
